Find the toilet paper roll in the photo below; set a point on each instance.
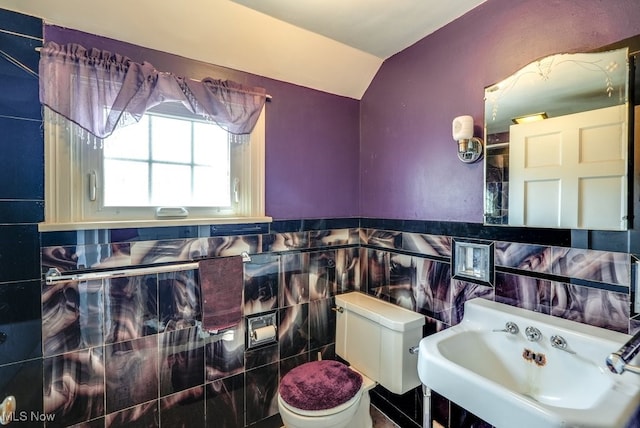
(264, 333)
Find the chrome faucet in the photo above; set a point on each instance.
(618, 362)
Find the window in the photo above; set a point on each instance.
(154, 156)
(172, 165)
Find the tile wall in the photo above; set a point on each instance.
(135, 346)
(133, 349)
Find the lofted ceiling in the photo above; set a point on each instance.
(335, 46)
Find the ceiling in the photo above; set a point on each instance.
(336, 46)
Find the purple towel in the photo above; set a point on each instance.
(221, 283)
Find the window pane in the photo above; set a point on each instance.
(129, 142)
(176, 178)
(211, 187)
(211, 145)
(126, 183)
(171, 139)
(171, 185)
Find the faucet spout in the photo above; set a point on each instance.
(618, 361)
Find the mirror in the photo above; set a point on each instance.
(569, 168)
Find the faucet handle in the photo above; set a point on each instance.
(560, 343)
(509, 327)
(533, 334)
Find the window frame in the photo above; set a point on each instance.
(67, 205)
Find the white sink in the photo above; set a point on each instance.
(508, 380)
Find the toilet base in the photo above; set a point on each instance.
(360, 419)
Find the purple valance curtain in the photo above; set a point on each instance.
(100, 91)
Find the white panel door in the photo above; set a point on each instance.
(570, 171)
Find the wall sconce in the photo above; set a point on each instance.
(469, 147)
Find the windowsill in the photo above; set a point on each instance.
(91, 225)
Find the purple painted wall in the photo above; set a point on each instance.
(312, 137)
(408, 164)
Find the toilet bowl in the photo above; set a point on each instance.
(374, 337)
(352, 412)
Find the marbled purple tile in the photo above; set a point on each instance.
(94, 423)
(261, 356)
(461, 291)
(131, 372)
(600, 266)
(178, 300)
(523, 292)
(131, 307)
(224, 246)
(597, 307)
(294, 288)
(382, 238)
(224, 353)
(261, 284)
(225, 402)
(322, 274)
(377, 269)
(535, 258)
(432, 245)
(72, 316)
(117, 254)
(439, 409)
(145, 415)
(261, 393)
(74, 387)
(354, 236)
(431, 290)
(287, 364)
(74, 257)
(293, 330)
(184, 409)
(289, 241)
(322, 323)
(181, 364)
(402, 280)
(168, 251)
(328, 238)
(347, 270)
(363, 236)
(432, 326)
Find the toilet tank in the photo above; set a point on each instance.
(374, 337)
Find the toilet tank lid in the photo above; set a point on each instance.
(391, 316)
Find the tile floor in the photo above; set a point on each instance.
(380, 420)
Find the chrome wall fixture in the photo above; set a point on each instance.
(470, 148)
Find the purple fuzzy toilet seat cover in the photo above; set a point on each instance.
(319, 385)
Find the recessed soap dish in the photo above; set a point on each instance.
(473, 261)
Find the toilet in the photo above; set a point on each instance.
(374, 337)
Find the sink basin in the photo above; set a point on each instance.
(508, 380)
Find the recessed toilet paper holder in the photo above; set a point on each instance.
(262, 329)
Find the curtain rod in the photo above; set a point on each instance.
(39, 48)
(26, 36)
(54, 276)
